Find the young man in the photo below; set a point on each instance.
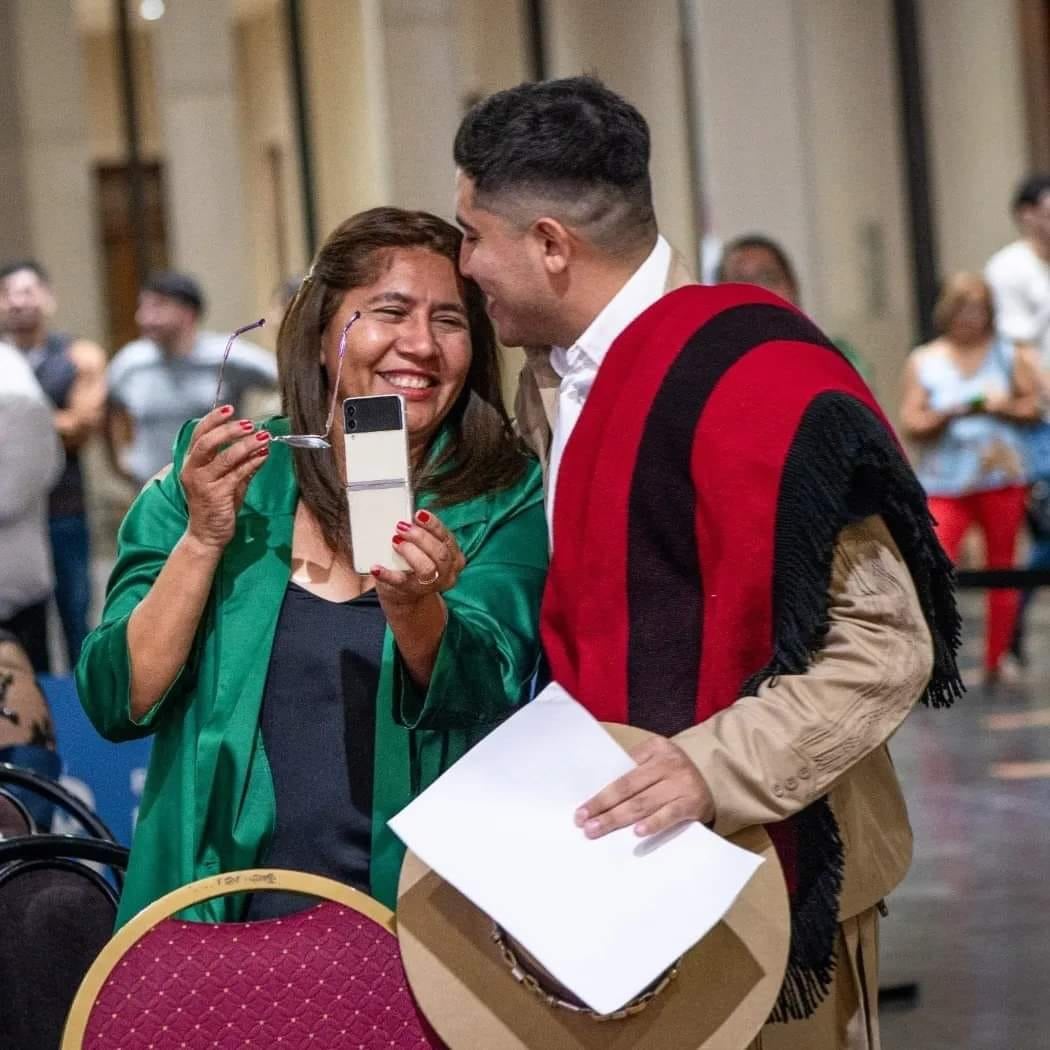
(1019, 274)
(72, 373)
(742, 559)
(169, 375)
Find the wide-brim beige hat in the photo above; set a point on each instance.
(723, 992)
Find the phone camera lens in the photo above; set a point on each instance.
(351, 425)
(351, 410)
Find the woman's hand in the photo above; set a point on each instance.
(412, 600)
(434, 558)
(224, 454)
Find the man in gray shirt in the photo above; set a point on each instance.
(168, 376)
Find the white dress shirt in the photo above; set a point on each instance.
(579, 364)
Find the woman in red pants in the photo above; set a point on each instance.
(967, 395)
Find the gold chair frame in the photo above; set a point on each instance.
(251, 880)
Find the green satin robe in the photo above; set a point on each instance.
(208, 803)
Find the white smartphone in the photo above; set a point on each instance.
(378, 487)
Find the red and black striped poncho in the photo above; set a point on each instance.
(723, 447)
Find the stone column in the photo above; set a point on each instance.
(197, 95)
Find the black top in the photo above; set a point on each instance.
(318, 727)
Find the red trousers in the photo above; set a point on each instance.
(999, 514)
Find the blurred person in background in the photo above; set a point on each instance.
(30, 463)
(1019, 275)
(296, 705)
(967, 396)
(72, 373)
(169, 375)
(756, 259)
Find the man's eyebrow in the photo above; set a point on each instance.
(463, 224)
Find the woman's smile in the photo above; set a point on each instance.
(411, 385)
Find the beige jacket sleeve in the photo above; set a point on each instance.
(770, 755)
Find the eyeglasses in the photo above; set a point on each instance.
(226, 354)
(320, 441)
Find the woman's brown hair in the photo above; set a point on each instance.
(954, 293)
(482, 455)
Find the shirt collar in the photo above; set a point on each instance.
(643, 288)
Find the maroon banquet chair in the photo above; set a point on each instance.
(329, 976)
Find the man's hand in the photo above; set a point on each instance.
(666, 789)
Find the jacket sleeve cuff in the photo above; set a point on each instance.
(110, 661)
(467, 687)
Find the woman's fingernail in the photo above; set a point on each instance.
(260, 452)
(377, 571)
(263, 435)
(397, 540)
(246, 424)
(592, 827)
(423, 517)
(226, 410)
(403, 526)
(641, 830)
(580, 816)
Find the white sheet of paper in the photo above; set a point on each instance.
(604, 916)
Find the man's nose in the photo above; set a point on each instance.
(466, 252)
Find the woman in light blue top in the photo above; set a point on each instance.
(968, 395)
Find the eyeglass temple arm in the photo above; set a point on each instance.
(226, 353)
(355, 316)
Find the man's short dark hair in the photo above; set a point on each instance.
(572, 142)
(763, 243)
(178, 286)
(1031, 191)
(18, 265)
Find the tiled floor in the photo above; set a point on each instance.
(971, 923)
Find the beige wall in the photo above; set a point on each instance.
(268, 138)
(425, 91)
(492, 51)
(635, 48)
(975, 110)
(800, 141)
(103, 98)
(346, 67)
(44, 152)
(14, 220)
(858, 209)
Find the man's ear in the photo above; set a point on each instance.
(555, 244)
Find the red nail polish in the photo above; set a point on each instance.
(226, 410)
(403, 526)
(423, 517)
(397, 540)
(263, 435)
(260, 452)
(246, 424)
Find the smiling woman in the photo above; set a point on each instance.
(298, 705)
